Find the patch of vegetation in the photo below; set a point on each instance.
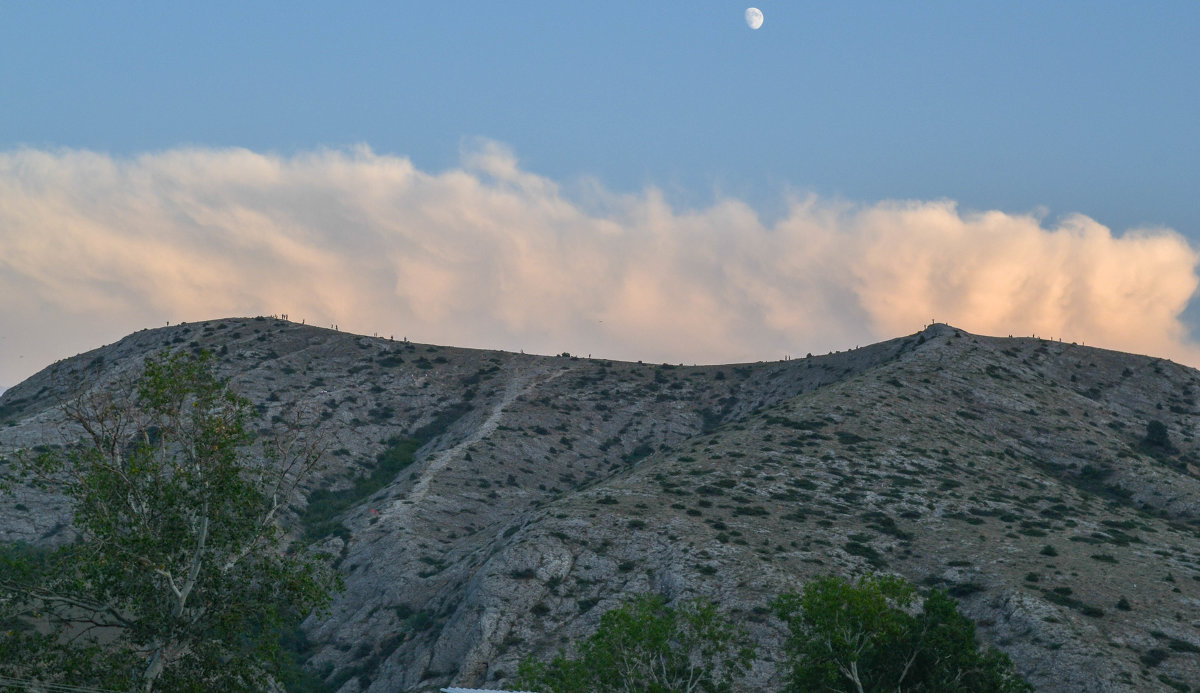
(640, 452)
(751, 511)
(9, 411)
(848, 438)
(295, 651)
(1157, 436)
(1182, 646)
(645, 645)
(413, 620)
(320, 518)
(858, 548)
(1062, 596)
(885, 524)
(1177, 685)
(865, 636)
(1153, 657)
(809, 425)
(381, 414)
(324, 506)
(441, 422)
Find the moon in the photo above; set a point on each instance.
(754, 17)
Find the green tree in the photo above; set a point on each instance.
(870, 637)
(179, 578)
(1157, 436)
(646, 646)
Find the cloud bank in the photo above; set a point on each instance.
(93, 247)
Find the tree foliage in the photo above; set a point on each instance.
(1157, 435)
(646, 646)
(870, 636)
(178, 579)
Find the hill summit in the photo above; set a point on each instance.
(484, 505)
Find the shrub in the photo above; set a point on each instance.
(1156, 435)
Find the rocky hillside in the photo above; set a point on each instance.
(487, 505)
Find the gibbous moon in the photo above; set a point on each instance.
(754, 17)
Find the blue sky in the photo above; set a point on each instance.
(1084, 107)
(1049, 109)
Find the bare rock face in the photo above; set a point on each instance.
(1018, 474)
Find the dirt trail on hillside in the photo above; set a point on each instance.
(520, 384)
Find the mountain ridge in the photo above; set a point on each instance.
(548, 488)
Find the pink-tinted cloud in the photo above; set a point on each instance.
(93, 247)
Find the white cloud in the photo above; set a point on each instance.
(93, 247)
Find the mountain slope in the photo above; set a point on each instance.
(1020, 474)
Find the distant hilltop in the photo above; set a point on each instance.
(485, 506)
